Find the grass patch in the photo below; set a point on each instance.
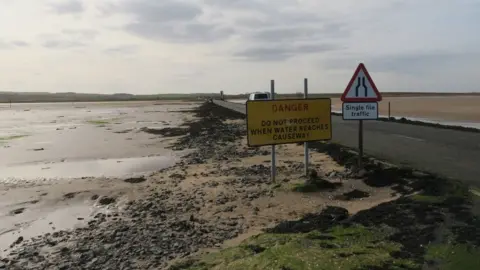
(446, 192)
(434, 228)
(103, 121)
(340, 248)
(12, 137)
(99, 122)
(304, 187)
(427, 199)
(453, 257)
(182, 264)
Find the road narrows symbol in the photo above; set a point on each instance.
(361, 82)
(361, 87)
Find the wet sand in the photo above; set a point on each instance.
(55, 156)
(92, 137)
(40, 209)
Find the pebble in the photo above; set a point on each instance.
(18, 241)
(17, 211)
(135, 180)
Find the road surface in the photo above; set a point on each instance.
(449, 153)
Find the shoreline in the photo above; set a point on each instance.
(217, 196)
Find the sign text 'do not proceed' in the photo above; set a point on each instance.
(288, 121)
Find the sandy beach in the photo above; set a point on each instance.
(441, 108)
(215, 196)
(455, 110)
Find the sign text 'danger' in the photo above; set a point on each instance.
(288, 121)
(294, 107)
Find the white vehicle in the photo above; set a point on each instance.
(259, 96)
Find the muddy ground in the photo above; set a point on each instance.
(215, 197)
(63, 140)
(55, 157)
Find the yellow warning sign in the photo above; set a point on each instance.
(272, 122)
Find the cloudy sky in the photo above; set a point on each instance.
(181, 46)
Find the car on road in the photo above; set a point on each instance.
(259, 96)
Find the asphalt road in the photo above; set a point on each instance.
(449, 153)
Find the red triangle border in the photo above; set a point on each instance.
(344, 98)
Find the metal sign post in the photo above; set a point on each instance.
(273, 167)
(389, 111)
(360, 144)
(360, 102)
(305, 95)
(284, 121)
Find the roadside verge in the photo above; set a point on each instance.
(429, 223)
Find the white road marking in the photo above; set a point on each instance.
(408, 137)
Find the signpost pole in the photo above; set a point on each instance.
(360, 145)
(273, 167)
(389, 111)
(305, 95)
(360, 102)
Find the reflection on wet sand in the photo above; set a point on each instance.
(60, 163)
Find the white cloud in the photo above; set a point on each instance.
(151, 46)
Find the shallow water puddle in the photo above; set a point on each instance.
(42, 221)
(86, 168)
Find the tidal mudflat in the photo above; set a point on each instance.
(55, 156)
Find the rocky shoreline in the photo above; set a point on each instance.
(148, 233)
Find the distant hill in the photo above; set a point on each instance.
(24, 97)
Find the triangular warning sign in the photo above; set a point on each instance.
(361, 87)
